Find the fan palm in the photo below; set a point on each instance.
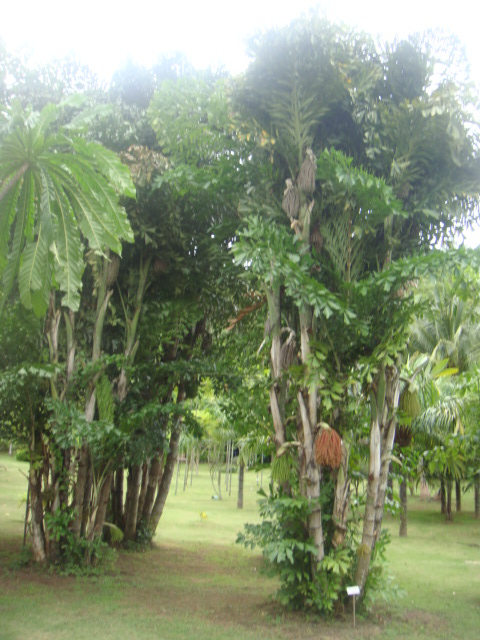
(450, 329)
(56, 190)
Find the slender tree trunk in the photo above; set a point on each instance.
(168, 470)
(131, 503)
(383, 402)
(82, 472)
(387, 428)
(102, 504)
(166, 480)
(143, 490)
(36, 515)
(241, 474)
(458, 495)
(342, 500)
(449, 514)
(117, 498)
(368, 537)
(154, 478)
(476, 489)
(443, 498)
(277, 390)
(315, 528)
(403, 513)
(88, 506)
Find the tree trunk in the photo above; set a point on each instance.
(168, 470)
(131, 502)
(342, 500)
(458, 495)
(117, 498)
(384, 396)
(241, 474)
(166, 480)
(403, 513)
(277, 390)
(476, 487)
(36, 515)
(87, 497)
(82, 471)
(143, 491)
(315, 528)
(368, 536)
(448, 513)
(102, 504)
(154, 478)
(443, 498)
(387, 429)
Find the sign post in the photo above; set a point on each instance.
(353, 591)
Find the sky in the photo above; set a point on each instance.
(104, 34)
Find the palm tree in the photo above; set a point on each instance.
(56, 190)
(450, 329)
(437, 427)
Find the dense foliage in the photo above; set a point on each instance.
(253, 244)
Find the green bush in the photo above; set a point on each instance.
(78, 556)
(22, 455)
(283, 536)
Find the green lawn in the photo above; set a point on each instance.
(196, 583)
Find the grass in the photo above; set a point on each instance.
(196, 583)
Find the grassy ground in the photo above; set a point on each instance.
(196, 583)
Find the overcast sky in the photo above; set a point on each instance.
(106, 33)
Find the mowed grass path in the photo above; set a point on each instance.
(196, 583)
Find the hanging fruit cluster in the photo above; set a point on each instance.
(328, 448)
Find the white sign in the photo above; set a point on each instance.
(353, 591)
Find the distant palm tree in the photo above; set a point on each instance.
(450, 330)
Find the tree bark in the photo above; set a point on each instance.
(403, 513)
(168, 470)
(143, 490)
(131, 503)
(342, 500)
(241, 475)
(448, 513)
(117, 498)
(443, 498)
(277, 392)
(315, 528)
(368, 536)
(458, 495)
(384, 396)
(166, 480)
(153, 483)
(476, 488)
(36, 515)
(82, 471)
(102, 504)
(387, 429)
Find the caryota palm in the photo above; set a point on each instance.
(57, 191)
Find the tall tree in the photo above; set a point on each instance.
(335, 268)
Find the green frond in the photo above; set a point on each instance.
(35, 273)
(23, 228)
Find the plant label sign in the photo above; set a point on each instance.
(353, 591)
